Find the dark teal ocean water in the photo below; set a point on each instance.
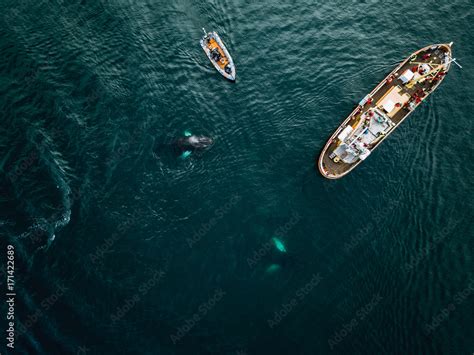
(121, 248)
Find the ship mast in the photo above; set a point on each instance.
(453, 60)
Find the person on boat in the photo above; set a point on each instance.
(215, 54)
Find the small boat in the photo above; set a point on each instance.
(218, 54)
(384, 109)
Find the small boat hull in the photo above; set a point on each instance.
(218, 54)
(384, 109)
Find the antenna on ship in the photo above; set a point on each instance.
(204, 31)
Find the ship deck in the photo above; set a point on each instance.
(339, 169)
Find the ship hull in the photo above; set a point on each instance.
(410, 94)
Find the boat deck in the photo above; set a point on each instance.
(218, 54)
(212, 44)
(415, 94)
